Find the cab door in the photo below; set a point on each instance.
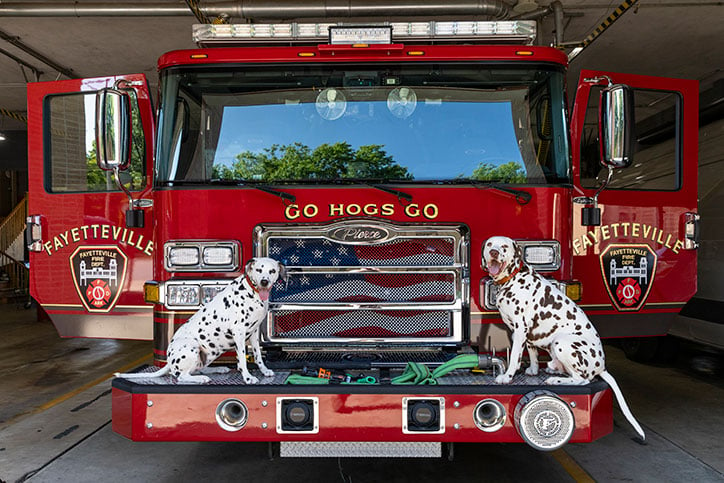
(87, 268)
(638, 267)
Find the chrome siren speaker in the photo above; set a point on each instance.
(231, 414)
(489, 415)
(544, 421)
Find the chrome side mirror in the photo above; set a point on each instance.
(616, 126)
(113, 129)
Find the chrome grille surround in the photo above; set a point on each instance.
(403, 284)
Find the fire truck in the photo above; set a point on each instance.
(373, 161)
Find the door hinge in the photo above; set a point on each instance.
(34, 233)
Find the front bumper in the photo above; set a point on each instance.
(160, 410)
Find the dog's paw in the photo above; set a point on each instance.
(503, 379)
(249, 379)
(554, 381)
(532, 371)
(267, 372)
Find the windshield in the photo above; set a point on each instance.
(384, 123)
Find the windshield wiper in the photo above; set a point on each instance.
(287, 197)
(522, 197)
(401, 195)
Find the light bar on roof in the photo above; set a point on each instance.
(518, 32)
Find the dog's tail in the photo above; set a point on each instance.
(142, 375)
(622, 403)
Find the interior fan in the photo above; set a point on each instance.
(331, 104)
(402, 102)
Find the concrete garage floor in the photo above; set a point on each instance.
(55, 413)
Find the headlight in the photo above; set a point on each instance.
(202, 256)
(223, 255)
(183, 256)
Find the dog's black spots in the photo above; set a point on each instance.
(578, 327)
(598, 364)
(202, 337)
(593, 352)
(216, 316)
(588, 326)
(183, 356)
(570, 315)
(546, 315)
(212, 345)
(246, 324)
(203, 319)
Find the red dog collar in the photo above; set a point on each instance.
(505, 280)
(251, 284)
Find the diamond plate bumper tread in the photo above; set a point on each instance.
(364, 449)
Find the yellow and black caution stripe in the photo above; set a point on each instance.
(18, 116)
(620, 10)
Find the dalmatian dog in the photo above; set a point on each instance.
(225, 323)
(540, 316)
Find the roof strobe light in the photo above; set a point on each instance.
(518, 32)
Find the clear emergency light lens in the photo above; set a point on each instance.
(182, 295)
(183, 256)
(218, 255)
(540, 255)
(543, 255)
(518, 31)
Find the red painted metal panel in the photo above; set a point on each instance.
(635, 217)
(72, 220)
(431, 53)
(122, 422)
(342, 417)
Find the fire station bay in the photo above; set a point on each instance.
(361, 241)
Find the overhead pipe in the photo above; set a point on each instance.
(261, 9)
(558, 21)
(37, 55)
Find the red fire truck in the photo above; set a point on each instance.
(373, 162)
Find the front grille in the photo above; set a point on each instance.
(401, 284)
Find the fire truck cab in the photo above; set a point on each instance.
(373, 162)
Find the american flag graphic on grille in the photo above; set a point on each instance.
(362, 323)
(333, 281)
(357, 288)
(400, 252)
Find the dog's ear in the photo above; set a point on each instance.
(283, 272)
(518, 254)
(247, 267)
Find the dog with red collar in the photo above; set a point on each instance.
(225, 323)
(540, 316)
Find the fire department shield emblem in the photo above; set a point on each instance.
(628, 274)
(98, 275)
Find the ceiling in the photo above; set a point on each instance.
(661, 37)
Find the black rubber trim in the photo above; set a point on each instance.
(704, 309)
(136, 388)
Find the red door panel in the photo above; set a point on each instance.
(88, 270)
(636, 267)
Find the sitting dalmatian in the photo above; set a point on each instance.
(225, 323)
(541, 317)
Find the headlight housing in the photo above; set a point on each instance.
(189, 294)
(198, 256)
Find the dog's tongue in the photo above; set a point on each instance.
(264, 294)
(494, 268)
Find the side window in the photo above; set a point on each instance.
(657, 155)
(70, 147)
